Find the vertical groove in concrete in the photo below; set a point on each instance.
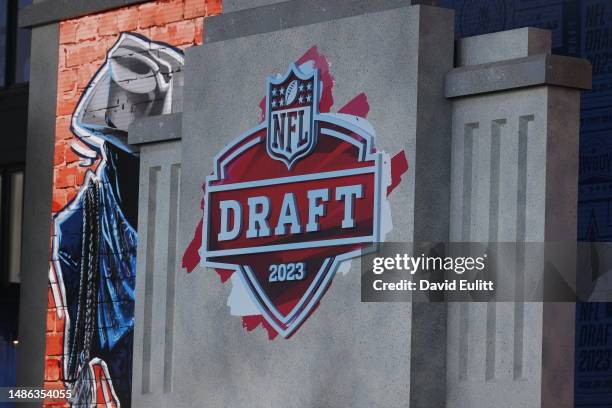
(464, 310)
(467, 180)
(154, 173)
(521, 209)
(175, 176)
(491, 344)
(496, 129)
(464, 322)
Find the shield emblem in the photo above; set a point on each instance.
(286, 229)
(291, 102)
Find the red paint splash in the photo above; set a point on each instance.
(250, 323)
(191, 257)
(399, 166)
(357, 106)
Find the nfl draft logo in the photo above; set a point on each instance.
(292, 199)
(291, 111)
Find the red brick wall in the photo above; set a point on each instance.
(83, 46)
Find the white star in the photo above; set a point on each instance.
(274, 91)
(274, 103)
(281, 102)
(282, 91)
(301, 99)
(308, 98)
(309, 86)
(301, 88)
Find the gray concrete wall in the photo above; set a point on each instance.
(364, 358)
(497, 161)
(514, 178)
(158, 265)
(37, 206)
(44, 12)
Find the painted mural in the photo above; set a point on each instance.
(313, 186)
(137, 73)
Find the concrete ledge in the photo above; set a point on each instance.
(155, 129)
(502, 46)
(229, 6)
(535, 70)
(282, 15)
(52, 11)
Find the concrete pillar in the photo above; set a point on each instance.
(158, 257)
(515, 114)
(347, 353)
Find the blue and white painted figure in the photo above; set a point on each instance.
(94, 246)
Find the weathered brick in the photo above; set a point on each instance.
(69, 155)
(146, 15)
(62, 128)
(181, 33)
(66, 80)
(107, 24)
(168, 11)
(85, 74)
(54, 344)
(87, 28)
(109, 42)
(71, 54)
(146, 32)
(59, 201)
(127, 19)
(214, 7)
(90, 52)
(51, 317)
(66, 106)
(72, 191)
(66, 177)
(160, 33)
(52, 369)
(68, 30)
(50, 300)
(195, 8)
(58, 157)
(199, 30)
(61, 57)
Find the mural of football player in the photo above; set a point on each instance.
(94, 245)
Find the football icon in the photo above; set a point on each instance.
(291, 92)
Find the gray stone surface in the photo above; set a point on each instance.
(155, 129)
(514, 178)
(37, 207)
(542, 69)
(158, 264)
(51, 11)
(431, 165)
(502, 46)
(230, 6)
(283, 15)
(237, 5)
(362, 359)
